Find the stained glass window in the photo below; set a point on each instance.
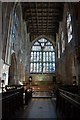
(42, 57)
(69, 27)
(15, 25)
(15, 28)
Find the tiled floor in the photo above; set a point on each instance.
(38, 108)
(41, 94)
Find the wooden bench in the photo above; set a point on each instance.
(68, 103)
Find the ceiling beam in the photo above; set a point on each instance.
(31, 16)
(43, 17)
(37, 16)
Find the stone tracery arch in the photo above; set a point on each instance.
(44, 36)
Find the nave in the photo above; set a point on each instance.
(39, 107)
(19, 103)
(39, 60)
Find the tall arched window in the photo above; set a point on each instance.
(69, 27)
(15, 28)
(42, 57)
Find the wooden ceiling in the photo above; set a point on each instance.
(42, 17)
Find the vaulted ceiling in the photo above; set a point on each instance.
(42, 17)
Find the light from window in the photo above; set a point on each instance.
(69, 27)
(63, 42)
(14, 29)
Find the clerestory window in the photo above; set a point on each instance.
(42, 57)
(14, 33)
(69, 27)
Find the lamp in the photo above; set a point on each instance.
(30, 80)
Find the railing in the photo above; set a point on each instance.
(68, 103)
(11, 101)
(28, 95)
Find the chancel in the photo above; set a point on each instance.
(40, 60)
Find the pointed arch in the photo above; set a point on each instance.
(44, 36)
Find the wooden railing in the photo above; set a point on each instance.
(13, 100)
(28, 95)
(68, 103)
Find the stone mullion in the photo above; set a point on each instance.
(42, 60)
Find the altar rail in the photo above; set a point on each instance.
(68, 103)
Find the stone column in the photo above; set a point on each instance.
(1, 61)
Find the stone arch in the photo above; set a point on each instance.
(12, 79)
(43, 36)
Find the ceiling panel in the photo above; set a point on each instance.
(42, 17)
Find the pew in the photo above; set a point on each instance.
(68, 101)
(11, 101)
(28, 95)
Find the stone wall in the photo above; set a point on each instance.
(19, 47)
(66, 65)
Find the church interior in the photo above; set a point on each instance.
(40, 60)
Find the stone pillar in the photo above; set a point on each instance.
(1, 61)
